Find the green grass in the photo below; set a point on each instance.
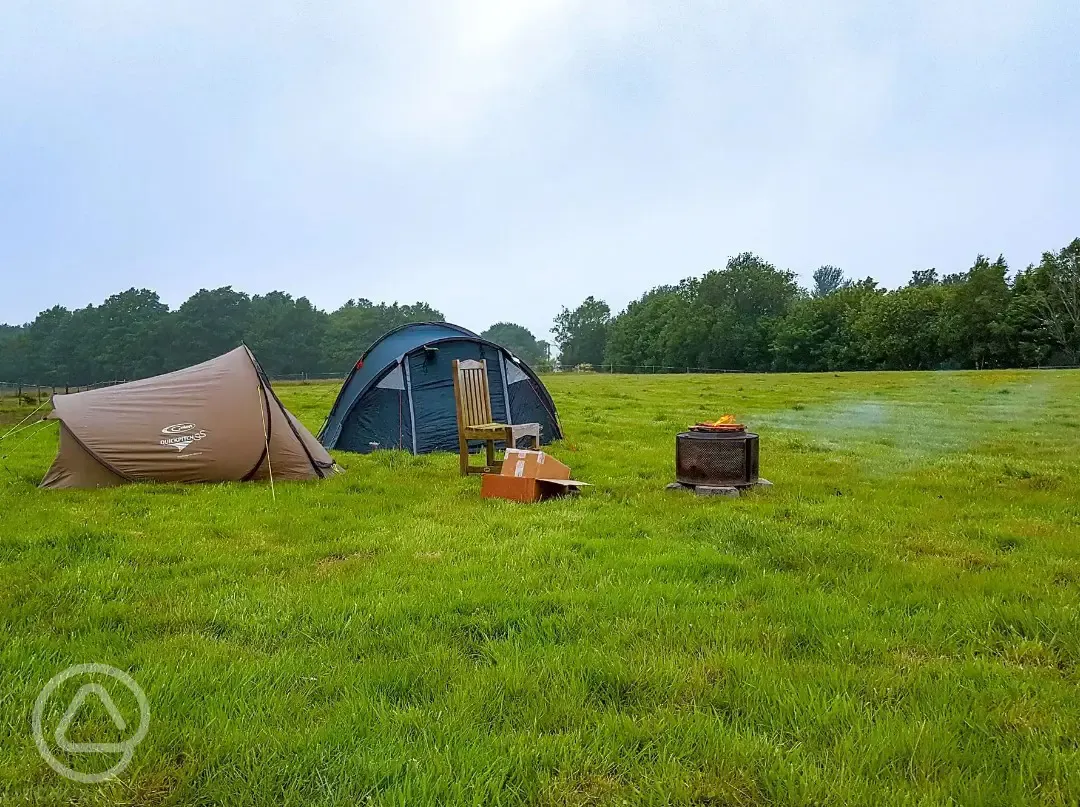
(895, 622)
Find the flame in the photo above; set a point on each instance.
(726, 423)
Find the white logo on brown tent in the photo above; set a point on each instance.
(183, 440)
(178, 428)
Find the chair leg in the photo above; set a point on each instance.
(463, 451)
(490, 453)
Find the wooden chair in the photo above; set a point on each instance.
(473, 401)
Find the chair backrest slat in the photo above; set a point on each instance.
(472, 392)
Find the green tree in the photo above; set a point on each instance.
(127, 332)
(1032, 341)
(519, 340)
(828, 279)
(742, 304)
(581, 334)
(662, 329)
(1060, 303)
(821, 332)
(357, 324)
(924, 277)
(286, 334)
(12, 353)
(61, 347)
(209, 323)
(546, 364)
(978, 305)
(905, 329)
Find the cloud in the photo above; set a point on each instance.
(566, 147)
(435, 74)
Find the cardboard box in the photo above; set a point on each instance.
(529, 476)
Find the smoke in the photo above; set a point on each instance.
(889, 436)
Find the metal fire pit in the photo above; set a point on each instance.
(717, 459)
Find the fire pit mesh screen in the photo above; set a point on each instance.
(716, 459)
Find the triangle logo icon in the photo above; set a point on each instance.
(73, 709)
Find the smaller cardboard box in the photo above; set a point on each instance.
(529, 476)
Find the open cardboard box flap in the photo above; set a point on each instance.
(533, 464)
(529, 476)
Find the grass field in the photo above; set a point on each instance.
(895, 622)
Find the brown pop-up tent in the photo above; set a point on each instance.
(217, 421)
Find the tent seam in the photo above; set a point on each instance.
(268, 388)
(265, 404)
(408, 391)
(93, 454)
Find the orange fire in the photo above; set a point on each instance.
(726, 423)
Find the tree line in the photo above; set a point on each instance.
(134, 335)
(753, 316)
(750, 315)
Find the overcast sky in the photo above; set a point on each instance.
(500, 158)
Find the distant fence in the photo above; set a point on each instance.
(39, 393)
(634, 369)
(36, 393)
(639, 369)
(33, 394)
(302, 377)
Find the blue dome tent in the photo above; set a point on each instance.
(401, 392)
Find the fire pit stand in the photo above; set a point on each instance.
(717, 460)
